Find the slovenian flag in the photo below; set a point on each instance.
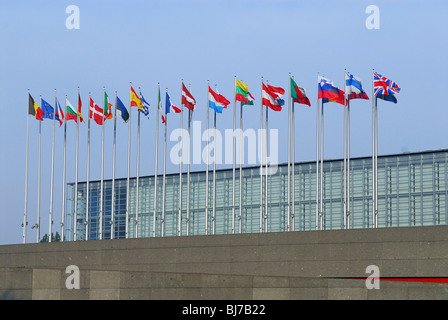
(328, 92)
(353, 87)
(272, 97)
(217, 101)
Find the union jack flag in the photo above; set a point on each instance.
(383, 86)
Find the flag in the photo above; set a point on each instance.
(242, 93)
(169, 107)
(121, 111)
(107, 107)
(187, 98)
(135, 100)
(217, 101)
(34, 109)
(95, 112)
(353, 87)
(145, 108)
(159, 105)
(299, 94)
(384, 88)
(328, 92)
(272, 97)
(47, 109)
(70, 112)
(59, 113)
(79, 109)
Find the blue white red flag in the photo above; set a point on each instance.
(328, 92)
(169, 107)
(384, 88)
(353, 87)
(217, 101)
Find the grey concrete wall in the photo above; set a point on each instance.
(288, 265)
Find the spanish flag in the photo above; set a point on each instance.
(135, 100)
(34, 109)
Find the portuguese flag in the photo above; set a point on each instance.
(242, 93)
(298, 94)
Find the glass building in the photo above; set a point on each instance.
(412, 191)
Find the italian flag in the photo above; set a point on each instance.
(71, 113)
(242, 93)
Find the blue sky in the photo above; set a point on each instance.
(146, 42)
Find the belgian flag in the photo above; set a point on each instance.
(34, 109)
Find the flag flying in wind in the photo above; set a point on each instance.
(328, 92)
(47, 109)
(169, 107)
(384, 88)
(59, 113)
(217, 101)
(107, 107)
(34, 109)
(272, 97)
(242, 93)
(135, 100)
(159, 105)
(145, 108)
(71, 112)
(187, 98)
(299, 94)
(353, 87)
(121, 110)
(79, 108)
(95, 112)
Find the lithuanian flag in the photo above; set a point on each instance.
(242, 93)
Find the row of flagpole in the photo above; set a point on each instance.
(270, 98)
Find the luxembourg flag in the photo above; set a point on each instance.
(353, 87)
(217, 101)
(272, 97)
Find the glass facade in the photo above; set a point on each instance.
(412, 191)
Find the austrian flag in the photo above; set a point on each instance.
(187, 98)
(272, 97)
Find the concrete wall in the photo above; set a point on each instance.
(288, 265)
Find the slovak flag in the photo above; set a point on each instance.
(217, 101)
(353, 87)
(328, 92)
(272, 97)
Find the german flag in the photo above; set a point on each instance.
(34, 109)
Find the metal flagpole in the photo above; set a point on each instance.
(289, 158)
(293, 164)
(241, 170)
(164, 176)
(266, 172)
(214, 173)
(102, 169)
(373, 153)
(345, 155)
(207, 165)
(75, 224)
(179, 231)
(52, 161)
(25, 211)
(261, 158)
(138, 172)
(129, 168)
(234, 160)
(38, 187)
(64, 172)
(188, 169)
(317, 161)
(88, 173)
(322, 167)
(156, 172)
(376, 162)
(348, 165)
(112, 212)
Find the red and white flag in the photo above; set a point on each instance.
(272, 97)
(96, 113)
(187, 98)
